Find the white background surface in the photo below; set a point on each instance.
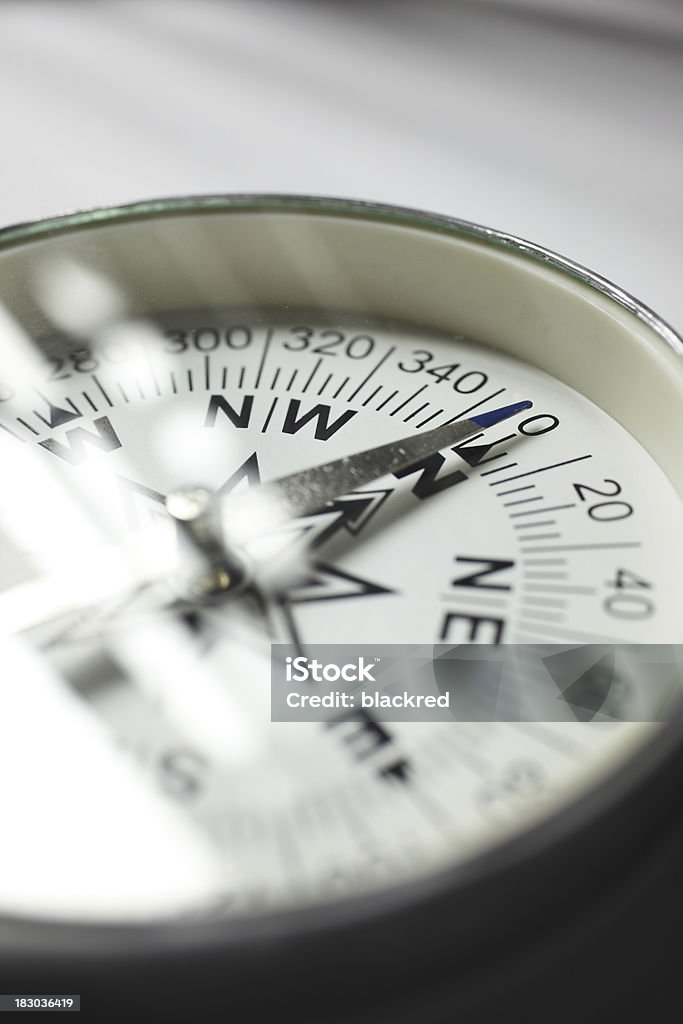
(558, 120)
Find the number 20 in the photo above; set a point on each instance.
(604, 511)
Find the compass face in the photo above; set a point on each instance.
(560, 526)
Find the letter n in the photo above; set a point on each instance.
(238, 419)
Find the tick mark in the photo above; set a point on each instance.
(422, 423)
(373, 371)
(586, 547)
(542, 536)
(516, 490)
(270, 414)
(266, 346)
(372, 395)
(341, 387)
(409, 399)
(558, 589)
(325, 383)
(312, 375)
(543, 469)
(499, 469)
(96, 381)
(27, 425)
(155, 382)
(420, 408)
(546, 575)
(387, 400)
(522, 501)
(545, 561)
(476, 405)
(539, 511)
(548, 602)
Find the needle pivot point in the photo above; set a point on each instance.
(196, 514)
(188, 504)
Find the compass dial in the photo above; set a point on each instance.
(559, 526)
(514, 536)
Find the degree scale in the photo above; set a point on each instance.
(196, 354)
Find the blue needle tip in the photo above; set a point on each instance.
(488, 419)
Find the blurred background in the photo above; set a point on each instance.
(557, 120)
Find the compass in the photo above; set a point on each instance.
(237, 426)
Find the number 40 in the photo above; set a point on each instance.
(628, 600)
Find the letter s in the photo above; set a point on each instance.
(300, 666)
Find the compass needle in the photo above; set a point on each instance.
(221, 526)
(308, 492)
